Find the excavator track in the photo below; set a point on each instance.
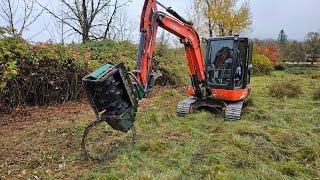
(184, 107)
(233, 111)
(192, 104)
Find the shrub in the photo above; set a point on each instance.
(11, 51)
(279, 67)
(47, 73)
(316, 94)
(173, 65)
(261, 65)
(269, 50)
(285, 89)
(113, 51)
(39, 74)
(315, 75)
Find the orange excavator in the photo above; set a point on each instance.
(220, 78)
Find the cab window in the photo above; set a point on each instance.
(220, 61)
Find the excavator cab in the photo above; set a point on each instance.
(228, 62)
(228, 68)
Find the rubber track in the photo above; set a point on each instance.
(233, 111)
(184, 107)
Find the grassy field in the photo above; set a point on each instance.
(276, 139)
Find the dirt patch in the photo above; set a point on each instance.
(23, 117)
(44, 142)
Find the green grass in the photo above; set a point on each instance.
(276, 139)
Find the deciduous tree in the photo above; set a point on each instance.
(227, 18)
(18, 15)
(295, 51)
(312, 45)
(88, 18)
(198, 15)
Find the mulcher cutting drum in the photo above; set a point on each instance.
(111, 92)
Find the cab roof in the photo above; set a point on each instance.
(227, 38)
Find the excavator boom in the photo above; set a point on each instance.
(151, 19)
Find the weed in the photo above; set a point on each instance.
(290, 168)
(33, 164)
(154, 146)
(249, 102)
(316, 94)
(289, 89)
(315, 75)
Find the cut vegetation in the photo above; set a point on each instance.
(276, 139)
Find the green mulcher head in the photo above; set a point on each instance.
(111, 92)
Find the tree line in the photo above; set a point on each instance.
(283, 49)
(298, 51)
(85, 19)
(107, 19)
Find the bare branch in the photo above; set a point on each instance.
(111, 19)
(87, 17)
(19, 15)
(59, 18)
(74, 11)
(27, 20)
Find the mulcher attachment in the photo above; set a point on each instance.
(112, 93)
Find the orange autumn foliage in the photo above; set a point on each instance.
(269, 50)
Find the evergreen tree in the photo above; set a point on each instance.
(282, 40)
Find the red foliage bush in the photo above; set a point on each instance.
(269, 50)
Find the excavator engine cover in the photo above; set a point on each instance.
(110, 91)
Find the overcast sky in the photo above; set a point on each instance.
(296, 17)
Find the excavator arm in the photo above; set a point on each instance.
(151, 19)
(113, 92)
